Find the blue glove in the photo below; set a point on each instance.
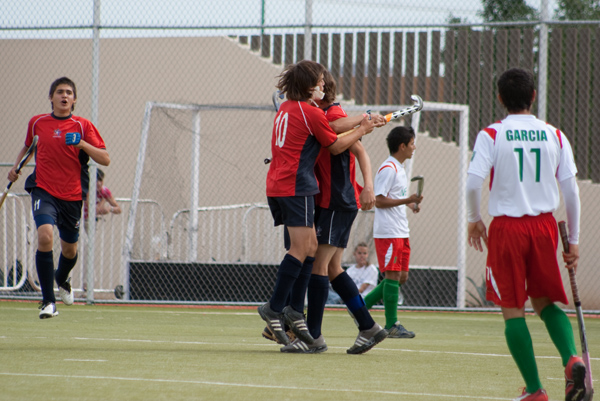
(72, 138)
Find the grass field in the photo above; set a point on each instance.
(122, 352)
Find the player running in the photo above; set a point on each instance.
(527, 157)
(58, 185)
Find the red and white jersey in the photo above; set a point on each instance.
(61, 169)
(391, 182)
(299, 132)
(525, 157)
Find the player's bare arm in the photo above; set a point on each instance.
(347, 123)
(100, 156)
(572, 258)
(367, 196)
(476, 233)
(343, 143)
(382, 201)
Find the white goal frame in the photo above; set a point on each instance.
(462, 110)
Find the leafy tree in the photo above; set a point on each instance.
(573, 10)
(507, 10)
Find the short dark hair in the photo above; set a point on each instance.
(397, 136)
(298, 80)
(66, 81)
(99, 175)
(516, 87)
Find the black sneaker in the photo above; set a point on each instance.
(274, 323)
(367, 339)
(297, 324)
(268, 334)
(398, 331)
(300, 347)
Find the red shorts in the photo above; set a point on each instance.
(522, 262)
(393, 254)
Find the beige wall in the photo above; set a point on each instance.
(233, 144)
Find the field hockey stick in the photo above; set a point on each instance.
(277, 98)
(585, 355)
(417, 106)
(420, 184)
(19, 167)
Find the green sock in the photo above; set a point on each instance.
(521, 348)
(375, 295)
(560, 330)
(390, 301)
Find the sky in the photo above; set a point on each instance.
(221, 17)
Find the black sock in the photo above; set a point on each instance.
(64, 268)
(288, 272)
(44, 263)
(348, 291)
(298, 293)
(318, 290)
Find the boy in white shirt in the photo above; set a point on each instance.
(364, 275)
(390, 227)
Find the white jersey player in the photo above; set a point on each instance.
(525, 158)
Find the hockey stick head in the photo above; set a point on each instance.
(277, 98)
(417, 106)
(420, 184)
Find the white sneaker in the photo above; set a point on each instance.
(48, 310)
(66, 292)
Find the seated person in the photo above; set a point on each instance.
(363, 274)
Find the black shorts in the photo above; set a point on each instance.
(65, 215)
(293, 211)
(333, 227)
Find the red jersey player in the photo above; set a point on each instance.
(337, 205)
(300, 130)
(58, 186)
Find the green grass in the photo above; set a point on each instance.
(168, 353)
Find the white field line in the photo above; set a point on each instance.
(260, 386)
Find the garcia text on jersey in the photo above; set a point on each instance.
(526, 136)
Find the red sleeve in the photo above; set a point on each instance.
(320, 127)
(92, 136)
(335, 112)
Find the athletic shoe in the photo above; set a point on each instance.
(398, 331)
(268, 334)
(575, 378)
(48, 310)
(66, 292)
(367, 339)
(297, 324)
(539, 395)
(274, 322)
(300, 347)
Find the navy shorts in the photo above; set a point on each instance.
(333, 227)
(293, 211)
(65, 215)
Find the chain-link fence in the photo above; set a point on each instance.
(181, 93)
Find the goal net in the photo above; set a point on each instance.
(203, 164)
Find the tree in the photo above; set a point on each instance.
(507, 10)
(573, 10)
